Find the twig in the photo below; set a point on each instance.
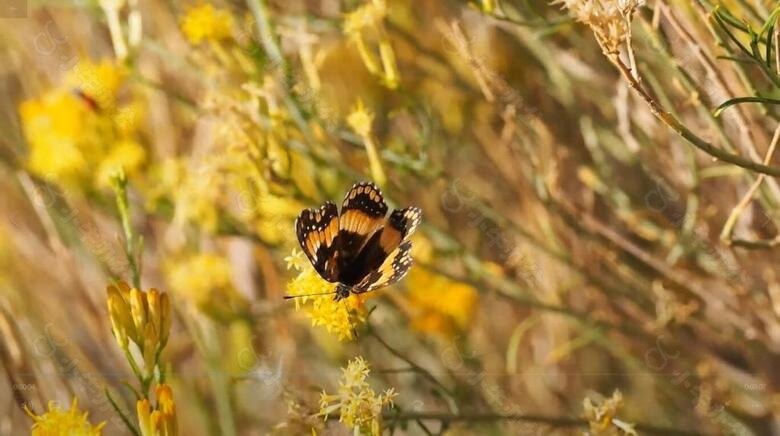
(683, 131)
(728, 227)
(424, 372)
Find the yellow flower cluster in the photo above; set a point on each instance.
(57, 422)
(338, 317)
(77, 134)
(205, 22)
(161, 419)
(141, 317)
(360, 408)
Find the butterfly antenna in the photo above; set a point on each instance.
(289, 297)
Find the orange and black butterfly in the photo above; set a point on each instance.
(359, 248)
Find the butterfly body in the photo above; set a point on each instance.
(359, 247)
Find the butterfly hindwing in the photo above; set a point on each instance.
(318, 234)
(382, 247)
(393, 269)
(362, 214)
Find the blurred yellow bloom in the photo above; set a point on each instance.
(160, 420)
(338, 317)
(52, 125)
(76, 133)
(125, 155)
(56, 422)
(368, 16)
(440, 305)
(141, 317)
(207, 280)
(100, 81)
(360, 119)
(206, 22)
(360, 408)
(198, 276)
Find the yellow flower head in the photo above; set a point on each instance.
(360, 119)
(368, 16)
(56, 422)
(359, 406)
(206, 22)
(338, 317)
(99, 81)
(161, 419)
(53, 125)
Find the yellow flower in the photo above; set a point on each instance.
(360, 119)
(207, 280)
(360, 408)
(141, 317)
(297, 259)
(198, 276)
(338, 317)
(206, 22)
(371, 17)
(76, 133)
(368, 16)
(160, 420)
(439, 305)
(56, 422)
(126, 155)
(99, 81)
(602, 415)
(53, 126)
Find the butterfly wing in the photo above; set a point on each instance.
(386, 258)
(362, 215)
(400, 225)
(393, 269)
(318, 234)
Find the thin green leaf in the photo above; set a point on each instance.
(768, 57)
(719, 20)
(740, 100)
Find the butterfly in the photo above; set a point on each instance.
(359, 247)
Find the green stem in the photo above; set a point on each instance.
(120, 188)
(121, 414)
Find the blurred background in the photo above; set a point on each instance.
(598, 250)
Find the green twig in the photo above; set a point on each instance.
(125, 419)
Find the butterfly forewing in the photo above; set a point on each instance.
(362, 214)
(400, 225)
(318, 234)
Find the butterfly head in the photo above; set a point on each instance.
(342, 292)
